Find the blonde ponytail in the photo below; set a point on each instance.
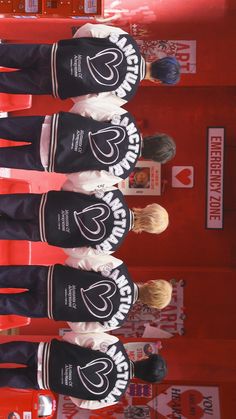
(152, 219)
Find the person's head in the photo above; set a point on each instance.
(164, 70)
(147, 349)
(13, 415)
(156, 293)
(159, 147)
(151, 219)
(141, 178)
(152, 369)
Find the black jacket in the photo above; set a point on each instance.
(76, 295)
(92, 65)
(85, 373)
(78, 144)
(70, 219)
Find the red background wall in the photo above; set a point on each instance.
(205, 259)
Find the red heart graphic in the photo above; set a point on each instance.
(184, 176)
(188, 404)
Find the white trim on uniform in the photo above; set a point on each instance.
(45, 365)
(131, 371)
(42, 218)
(131, 226)
(54, 70)
(50, 292)
(142, 68)
(136, 293)
(43, 358)
(53, 142)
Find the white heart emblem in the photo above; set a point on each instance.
(103, 66)
(94, 375)
(97, 298)
(112, 136)
(91, 221)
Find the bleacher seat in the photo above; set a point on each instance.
(10, 102)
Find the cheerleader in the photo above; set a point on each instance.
(92, 294)
(95, 144)
(93, 369)
(99, 221)
(99, 59)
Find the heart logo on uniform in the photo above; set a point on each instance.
(184, 176)
(97, 298)
(94, 375)
(109, 138)
(90, 221)
(103, 66)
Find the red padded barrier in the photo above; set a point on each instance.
(25, 403)
(11, 321)
(9, 102)
(13, 186)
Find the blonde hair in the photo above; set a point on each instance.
(152, 219)
(156, 293)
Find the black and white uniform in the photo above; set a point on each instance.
(67, 219)
(93, 370)
(75, 67)
(91, 301)
(75, 143)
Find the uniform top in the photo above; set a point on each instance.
(81, 144)
(110, 62)
(87, 173)
(103, 299)
(93, 378)
(71, 220)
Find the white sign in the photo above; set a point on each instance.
(67, 409)
(4, 172)
(184, 51)
(138, 350)
(182, 176)
(186, 55)
(90, 6)
(184, 402)
(144, 180)
(31, 6)
(215, 177)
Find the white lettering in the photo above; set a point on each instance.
(122, 376)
